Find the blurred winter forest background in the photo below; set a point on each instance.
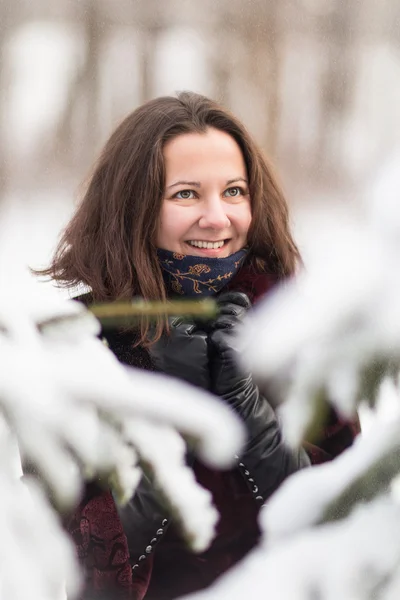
(317, 82)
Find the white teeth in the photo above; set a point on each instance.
(208, 245)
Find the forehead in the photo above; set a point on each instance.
(207, 152)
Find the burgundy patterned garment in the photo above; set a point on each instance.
(102, 545)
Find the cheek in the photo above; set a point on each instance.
(243, 218)
(173, 222)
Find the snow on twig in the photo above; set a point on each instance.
(353, 559)
(77, 413)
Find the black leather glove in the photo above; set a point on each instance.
(265, 456)
(227, 379)
(183, 353)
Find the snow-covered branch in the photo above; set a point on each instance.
(77, 413)
(333, 335)
(354, 559)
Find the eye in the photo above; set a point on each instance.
(234, 192)
(185, 195)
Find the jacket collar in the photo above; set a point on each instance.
(252, 282)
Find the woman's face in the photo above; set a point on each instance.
(206, 207)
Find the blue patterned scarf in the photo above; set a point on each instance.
(189, 275)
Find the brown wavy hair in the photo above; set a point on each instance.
(109, 244)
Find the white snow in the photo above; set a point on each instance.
(76, 412)
(348, 560)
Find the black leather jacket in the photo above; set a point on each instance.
(265, 462)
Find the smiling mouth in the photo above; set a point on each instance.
(207, 245)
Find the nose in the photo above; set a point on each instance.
(214, 215)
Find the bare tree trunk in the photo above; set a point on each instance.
(274, 74)
(148, 20)
(94, 30)
(260, 32)
(337, 85)
(84, 90)
(394, 26)
(147, 49)
(4, 21)
(221, 71)
(222, 48)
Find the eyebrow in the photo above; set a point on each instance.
(198, 184)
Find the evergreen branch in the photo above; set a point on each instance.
(373, 481)
(138, 308)
(112, 314)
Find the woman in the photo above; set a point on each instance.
(182, 202)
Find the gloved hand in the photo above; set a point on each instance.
(183, 353)
(266, 458)
(227, 378)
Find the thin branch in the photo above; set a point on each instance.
(124, 313)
